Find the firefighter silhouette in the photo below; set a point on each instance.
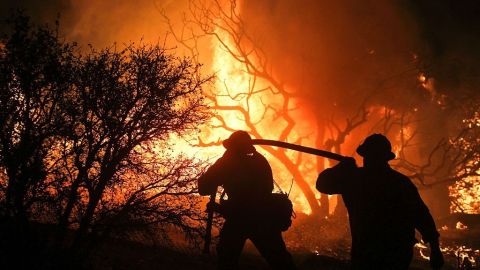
(384, 208)
(246, 177)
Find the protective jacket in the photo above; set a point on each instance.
(384, 210)
(247, 180)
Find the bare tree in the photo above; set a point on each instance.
(123, 99)
(87, 140)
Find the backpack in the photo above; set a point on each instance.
(280, 211)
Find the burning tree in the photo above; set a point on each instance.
(449, 162)
(251, 95)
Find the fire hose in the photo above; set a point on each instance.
(299, 148)
(291, 146)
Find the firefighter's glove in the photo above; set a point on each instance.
(436, 257)
(348, 163)
(214, 207)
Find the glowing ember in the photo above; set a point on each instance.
(465, 195)
(422, 248)
(427, 84)
(461, 226)
(463, 255)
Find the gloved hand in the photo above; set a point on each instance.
(436, 257)
(348, 163)
(213, 207)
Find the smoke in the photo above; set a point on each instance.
(101, 23)
(40, 11)
(333, 52)
(450, 32)
(105, 22)
(337, 53)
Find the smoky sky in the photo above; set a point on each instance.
(450, 32)
(100, 23)
(336, 52)
(340, 52)
(332, 52)
(40, 11)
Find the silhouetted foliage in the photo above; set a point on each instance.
(36, 72)
(85, 140)
(124, 101)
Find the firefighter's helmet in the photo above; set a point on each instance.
(239, 141)
(376, 146)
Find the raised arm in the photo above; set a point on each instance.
(334, 180)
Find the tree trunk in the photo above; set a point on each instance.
(89, 213)
(107, 171)
(304, 186)
(324, 202)
(72, 199)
